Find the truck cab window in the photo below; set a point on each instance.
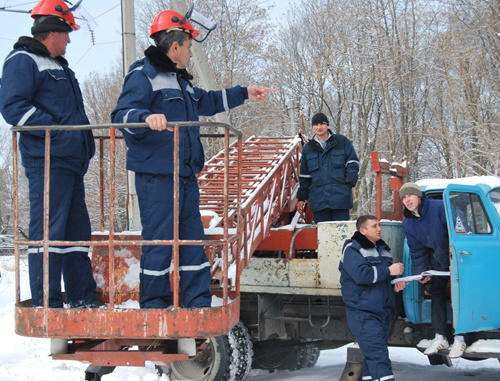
(495, 199)
(469, 216)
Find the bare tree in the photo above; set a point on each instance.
(101, 92)
(6, 207)
(412, 79)
(469, 86)
(7, 188)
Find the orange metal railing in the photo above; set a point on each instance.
(110, 242)
(250, 184)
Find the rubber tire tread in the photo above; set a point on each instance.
(223, 351)
(243, 351)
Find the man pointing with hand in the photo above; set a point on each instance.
(158, 90)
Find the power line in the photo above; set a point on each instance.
(109, 10)
(7, 39)
(6, 7)
(21, 5)
(82, 57)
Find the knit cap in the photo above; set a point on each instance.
(319, 118)
(50, 23)
(410, 188)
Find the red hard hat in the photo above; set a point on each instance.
(55, 8)
(171, 19)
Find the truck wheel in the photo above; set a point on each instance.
(225, 358)
(242, 352)
(312, 357)
(297, 359)
(307, 357)
(212, 364)
(268, 357)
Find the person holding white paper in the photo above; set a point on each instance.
(426, 232)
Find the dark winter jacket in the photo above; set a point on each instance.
(37, 90)
(365, 276)
(328, 175)
(155, 86)
(427, 236)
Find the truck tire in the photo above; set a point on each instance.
(312, 357)
(305, 358)
(273, 357)
(308, 357)
(242, 352)
(297, 360)
(225, 358)
(213, 364)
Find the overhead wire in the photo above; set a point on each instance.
(92, 36)
(4, 8)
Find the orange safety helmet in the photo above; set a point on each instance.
(56, 8)
(170, 19)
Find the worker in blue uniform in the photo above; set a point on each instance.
(39, 89)
(366, 271)
(329, 170)
(156, 89)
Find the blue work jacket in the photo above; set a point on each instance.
(155, 86)
(427, 236)
(328, 175)
(38, 90)
(365, 276)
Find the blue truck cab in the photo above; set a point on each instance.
(473, 213)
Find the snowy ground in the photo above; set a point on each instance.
(24, 358)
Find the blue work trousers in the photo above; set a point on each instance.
(439, 286)
(68, 221)
(372, 334)
(327, 214)
(155, 194)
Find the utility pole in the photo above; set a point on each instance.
(129, 56)
(128, 34)
(291, 112)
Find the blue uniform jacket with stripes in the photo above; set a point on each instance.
(328, 175)
(365, 276)
(155, 86)
(38, 90)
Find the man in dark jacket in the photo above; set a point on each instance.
(38, 88)
(366, 271)
(329, 170)
(158, 88)
(426, 232)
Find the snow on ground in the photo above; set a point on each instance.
(23, 358)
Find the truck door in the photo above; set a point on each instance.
(473, 228)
